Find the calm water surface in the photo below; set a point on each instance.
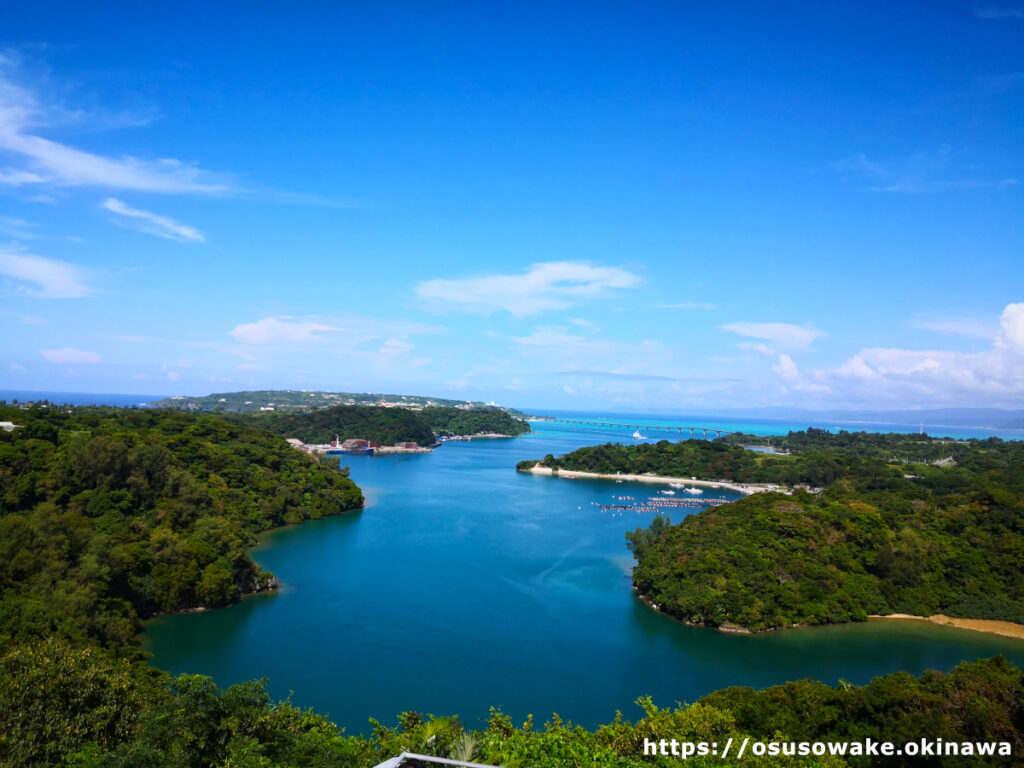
(465, 585)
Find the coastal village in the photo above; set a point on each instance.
(374, 448)
(359, 446)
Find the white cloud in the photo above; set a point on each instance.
(17, 228)
(546, 286)
(395, 347)
(759, 348)
(43, 278)
(1012, 325)
(790, 375)
(550, 336)
(963, 327)
(69, 355)
(153, 223)
(885, 377)
(780, 335)
(923, 172)
(46, 161)
(284, 330)
(16, 368)
(14, 177)
(787, 372)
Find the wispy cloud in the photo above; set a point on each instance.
(543, 287)
(29, 275)
(69, 356)
(152, 223)
(280, 330)
(921, 173)
(783, 336)
(962, 327)
(928, 186)
(18, 228)
(345, 332)
(44, 161)
(23, 318)
(549, 336)
(14, 177)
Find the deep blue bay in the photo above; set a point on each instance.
(465, 585)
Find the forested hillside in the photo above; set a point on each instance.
(462, 421)
(383, 425)
(881, 538)
(108, 515)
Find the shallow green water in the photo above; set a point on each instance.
(466, 585)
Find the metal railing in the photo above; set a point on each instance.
(411, 759)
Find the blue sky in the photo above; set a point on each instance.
(594, 205)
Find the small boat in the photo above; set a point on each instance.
(669, 493)
(695, 491)
(638, 436)
(676, 485)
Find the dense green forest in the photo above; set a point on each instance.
(891, 446)
(881, 538)
(62, 705)
(108, 515)
(383, 425)
(462, 421)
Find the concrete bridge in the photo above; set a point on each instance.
(669, 428)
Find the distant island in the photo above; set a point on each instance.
(268, 400)
(903, 524)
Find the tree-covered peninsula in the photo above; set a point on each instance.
(886, 535)
(383, 425)
(702, 459)
(108, 515)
